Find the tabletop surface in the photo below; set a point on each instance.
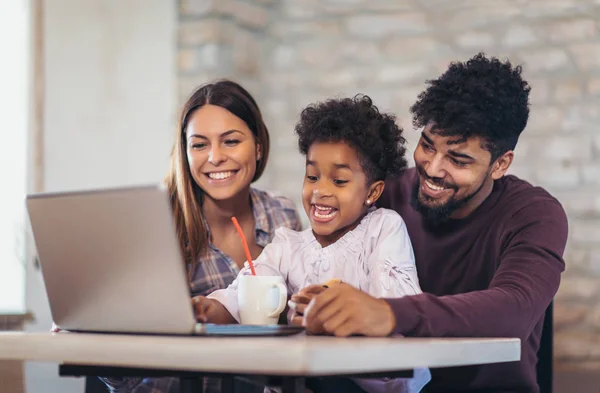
(292, 355)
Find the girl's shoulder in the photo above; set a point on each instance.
(383, 224)
(384, 219)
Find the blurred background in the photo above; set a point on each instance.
(90, 92)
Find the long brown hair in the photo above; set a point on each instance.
(186, 195)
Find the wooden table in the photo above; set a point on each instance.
(291, 359)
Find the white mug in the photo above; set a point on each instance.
(261, 299)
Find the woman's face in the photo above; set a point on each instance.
(221, 152)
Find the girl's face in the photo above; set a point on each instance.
(221, 152)
(335, 193)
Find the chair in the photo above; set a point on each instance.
(95, 385)
(544, 366)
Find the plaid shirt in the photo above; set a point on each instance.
(217, 271)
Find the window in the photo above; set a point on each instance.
(14, 106)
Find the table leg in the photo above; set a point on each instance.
(293, 385)
(228, 384)
(191, 385)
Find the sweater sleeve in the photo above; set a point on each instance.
(523, 286)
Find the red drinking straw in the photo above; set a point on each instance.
(245, 244)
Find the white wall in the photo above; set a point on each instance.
(14, 37)
(110, 109)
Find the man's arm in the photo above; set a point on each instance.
(526, 281)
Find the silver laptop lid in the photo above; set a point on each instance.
(111, 261)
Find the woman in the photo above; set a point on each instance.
(220, 148)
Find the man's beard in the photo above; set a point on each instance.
(438, 215)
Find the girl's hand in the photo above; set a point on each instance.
(211, 311)
(300, 301)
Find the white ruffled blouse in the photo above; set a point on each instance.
(375, 257)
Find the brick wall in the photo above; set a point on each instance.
(289, 53)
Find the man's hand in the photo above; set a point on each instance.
(300, 301)
(343, 310)
(211, 311)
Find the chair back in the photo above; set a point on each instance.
(545, 353)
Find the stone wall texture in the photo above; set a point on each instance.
(289, 53)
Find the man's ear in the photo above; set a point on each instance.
(502, 164)
(375, 191)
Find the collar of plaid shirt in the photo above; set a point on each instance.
(262, 226)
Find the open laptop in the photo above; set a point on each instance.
(111, 262)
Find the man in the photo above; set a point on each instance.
(488, 246)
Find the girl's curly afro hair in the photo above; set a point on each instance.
(375, 136)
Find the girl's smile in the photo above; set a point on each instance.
(322, 213)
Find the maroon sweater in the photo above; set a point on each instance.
(491, 274)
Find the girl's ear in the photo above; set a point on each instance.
(375, 191)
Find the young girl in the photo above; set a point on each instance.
(350, 149)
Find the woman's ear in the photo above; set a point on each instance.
(375, 191)
(258, 152)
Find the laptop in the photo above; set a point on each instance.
(111, 263)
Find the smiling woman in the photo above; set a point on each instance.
(221, 147)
